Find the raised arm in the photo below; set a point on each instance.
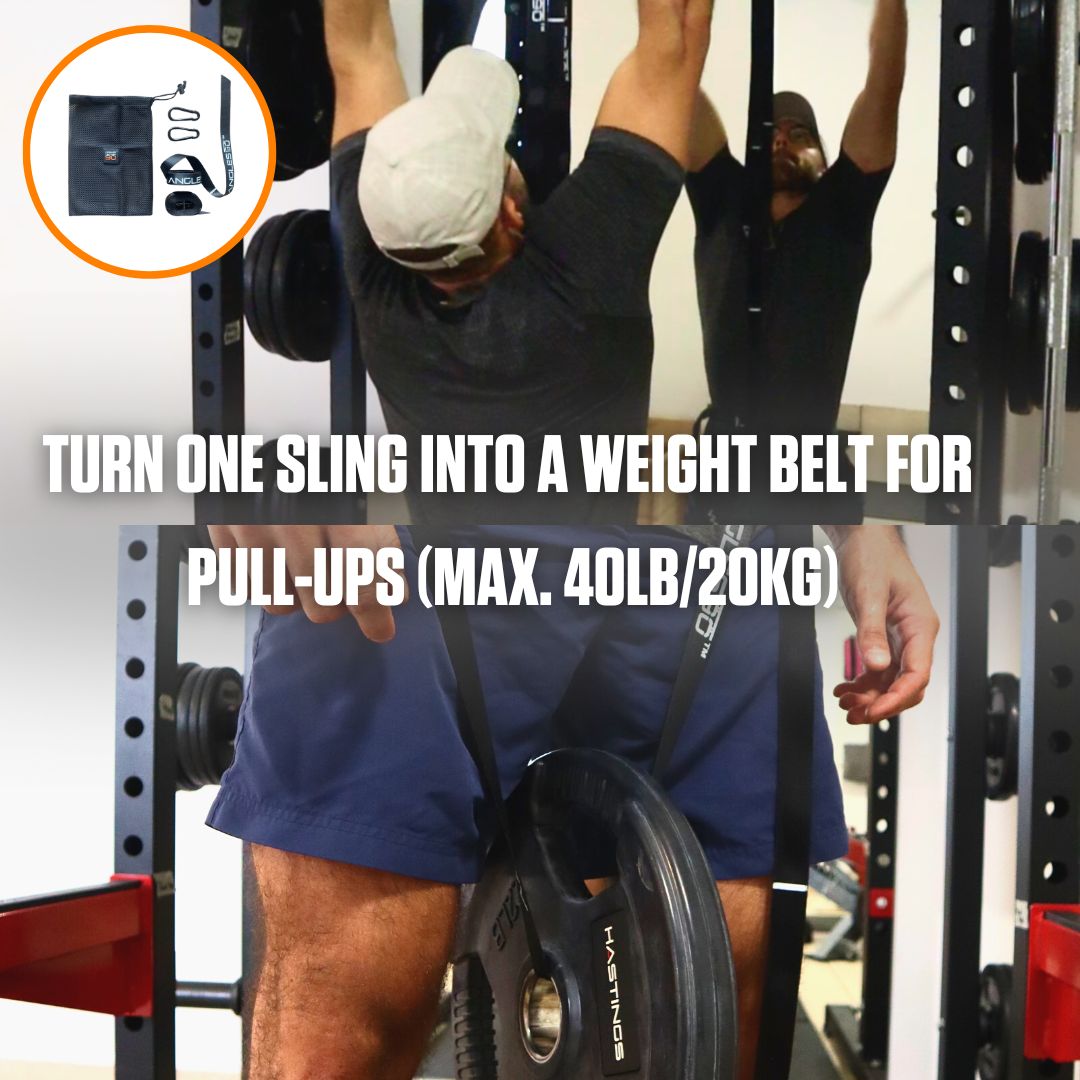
(654, 90)
(870, 135)
(708, 136)
(368, 81)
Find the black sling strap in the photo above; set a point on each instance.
(791, 859)
(197, 174)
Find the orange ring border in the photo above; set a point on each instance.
(32, 116)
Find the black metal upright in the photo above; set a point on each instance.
(966, 809)
(146, 773)
(538, 42)
(974, 195)
(880, 886)
(1048, 851)
(217, 318)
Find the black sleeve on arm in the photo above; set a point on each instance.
(715, 190)
(853, 195)
(602, 225)
(345, 162)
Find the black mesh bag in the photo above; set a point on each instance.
(110, 155)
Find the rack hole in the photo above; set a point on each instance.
(965, 97)
(135, 1023)
(1060, 742)
(133, 727)
(881, 825)
(136, 609)
(206, 339)
(134, 668)
(961, 275)
(884, 725)
(1063, 545)
(962, 216)
(1055, 872)
(137, 550)
(965, 35)
(959, 335)
(1061, 611)
(1062, 676)
(882, 792)
(206, 292)
(206, 388)
(133, 787)
(955, 393)
(132, 846)
(1057, 807)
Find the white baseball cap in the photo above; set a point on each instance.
(434, 169)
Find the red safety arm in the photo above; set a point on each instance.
(1052, 1030)
(91, 949)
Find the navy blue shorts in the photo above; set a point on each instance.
(350, 751)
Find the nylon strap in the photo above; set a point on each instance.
(796, 700)
(757, 195)
(197, 174)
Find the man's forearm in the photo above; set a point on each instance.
(356, 28)
(840, 534)
(888, 48)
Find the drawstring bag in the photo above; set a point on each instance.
(110, 155)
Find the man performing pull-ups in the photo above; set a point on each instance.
(477, 312)
(817, 258)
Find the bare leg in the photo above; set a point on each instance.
(746, 908)
(351, 969)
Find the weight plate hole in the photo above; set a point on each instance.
(541, 1018)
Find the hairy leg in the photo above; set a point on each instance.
(351, 966)
(746, 908)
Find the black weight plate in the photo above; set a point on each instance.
(252, 255)
(643, 970)
(1023, 323)
(185, 754)
(221, 705)
(283, 46)
(1002, 736)
(262, 282)
(1072, 382)
(1034, 36)
(995, 1007)
(303, 287)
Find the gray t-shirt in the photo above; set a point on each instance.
(816, 266)
(560, 340)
